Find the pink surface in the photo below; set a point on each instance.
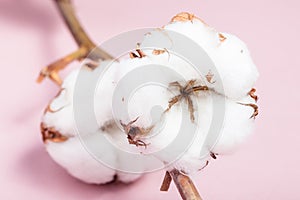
(32, 34)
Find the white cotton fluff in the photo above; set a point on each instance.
(231, 56)
(85, 165)
(234, 127)
(237, 75)
(72, 154)
(62, 117)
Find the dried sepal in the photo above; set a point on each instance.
(139, 53)
(51, 71)
(50, 134)
(158, 51)
(185, 94)
(209, 77)
(51, 74)
(253, 95)
(206, 164)
(185, 16)
(134, 133)
(222, 38)
(255, 108)
(48, 108)
(213, 155)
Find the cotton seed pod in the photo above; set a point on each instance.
(191, 98)
(232, 59)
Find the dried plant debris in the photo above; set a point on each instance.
(49, 109)
(185, 93)
(50, 134)
(206, 164)
(184, 17)
(213, 155)
(253, 95)
(255, 108)
(222, 38)
(138, 54)
(134, 133)
(159, 51)
(209, 77)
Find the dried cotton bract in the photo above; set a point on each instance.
(192, 98)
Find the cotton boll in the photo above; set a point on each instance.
(60, 111)
(139, 89)
(176, 140)
(151, 91)
(60, 114)
(105, 86)
(73, 156)
(232, 60)
(91, 158)
(234, 64)
(202, 34)
(221, 136)
(189, 147)
(238, 125)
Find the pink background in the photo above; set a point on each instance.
(32, 35)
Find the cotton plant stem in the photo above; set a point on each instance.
(166, 182)
(51, 71)
(185, 186)
(82, 39)
(86, 47)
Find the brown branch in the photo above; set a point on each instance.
(185, 186)
(87, 48)
(51, 71)
(166, 182)
(67, 12)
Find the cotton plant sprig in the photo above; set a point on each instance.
(233, 87)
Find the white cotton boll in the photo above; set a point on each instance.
(73, 156)
(188, 157)
(162, 145)
(149, 90)
(235, 66)
(91, 159)
(108, 75)
(61, 114)
(221, 136)
(234, 74)
(238, 125)
(139, 88)
(202, 34)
